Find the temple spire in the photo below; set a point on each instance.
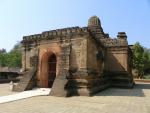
(94, 21)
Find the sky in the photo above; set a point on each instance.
(20, 18)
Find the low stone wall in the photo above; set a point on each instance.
(8, 80)
(142, 80)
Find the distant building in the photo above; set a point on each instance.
(9, 74)
(76, 61)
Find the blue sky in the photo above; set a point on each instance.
(26, 17)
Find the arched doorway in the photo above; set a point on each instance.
(51, 69)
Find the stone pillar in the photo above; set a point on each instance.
(59, 85)
(65, 56)
(23, 57)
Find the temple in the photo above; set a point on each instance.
(76, 60)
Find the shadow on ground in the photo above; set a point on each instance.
(136, 91)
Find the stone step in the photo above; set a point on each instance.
(26, 81)
(123, 85)
(58, 88)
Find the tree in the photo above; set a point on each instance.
(141, 60)
(138, 61)
(146, 57)
(2, 50)
(12, 58)
(3, 59)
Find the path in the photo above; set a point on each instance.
(24, 94)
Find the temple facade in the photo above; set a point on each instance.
(76, 60)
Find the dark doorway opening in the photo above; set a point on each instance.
(51, 70)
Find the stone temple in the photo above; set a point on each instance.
(76, 60)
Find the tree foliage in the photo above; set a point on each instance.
(2, 50)
(141, 59)
(12, 58)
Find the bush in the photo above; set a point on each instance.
(146, 76)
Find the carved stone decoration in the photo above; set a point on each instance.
(33, 61)
(65, 56)
(83, 53)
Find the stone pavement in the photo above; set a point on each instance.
(111, 100)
